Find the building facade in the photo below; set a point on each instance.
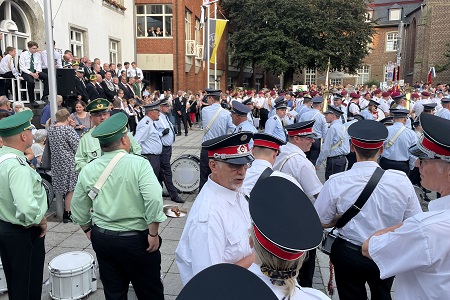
(93, 28)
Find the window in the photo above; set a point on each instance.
(187, 24)
(363, 75)
(336, 81)
(395, 14)
(77, 42)
(114, 51)
(391, 41)
(310, 76)
(154, 20)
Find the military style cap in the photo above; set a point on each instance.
(76, 64)
(435, 142)
(152, 106)
(396, 97)
(354, 95)
(293, 226)
(15, 124)
(226, 282)
(301, 129)
(358, 117)
(307, 98)
(313, 93)
(248, 101)
(396, 94)
(373, 102)
(230, 148)
(367, 134)
(337, 96)
(272, 93)
(344, 93)
(429, 106)
(249, 92)
(425, 94)
(280, 103)
(334, 110)
(111, 129)
(97, 105)
(399, 113)
(267, 141)
(213, 92)
(445, 100)
(317, 99)
(80, 69)
(239, 108)
(93, 77)
(388, 121)
(376, 92)
(164, 102)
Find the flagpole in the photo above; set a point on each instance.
(215, 54)
(208, 33)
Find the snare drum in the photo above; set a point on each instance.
(186, 173)
(3, 287)
(72, 275)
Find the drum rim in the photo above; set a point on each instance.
(72, 271)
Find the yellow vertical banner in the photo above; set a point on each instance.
(217, 36)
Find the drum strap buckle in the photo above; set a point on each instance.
(93, 192)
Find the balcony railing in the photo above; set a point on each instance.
(190, 48)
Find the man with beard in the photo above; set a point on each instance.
(218, 224)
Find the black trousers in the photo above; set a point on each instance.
(335, 165)
(386, 164)
(30, 84)
(204, 168)
(353, 270)
(178, 120)
(351, 159)
(306, 273)
(263, 115)
(5, 84)
(22, 253)
(165, 171)
(124, 259)
(313, 153)
(155, 162)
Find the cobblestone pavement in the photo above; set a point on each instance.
(62, 238)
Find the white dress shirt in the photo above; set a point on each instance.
(25, 60)
(417, 253)
(393, 201)
(7, 65)
(301, 293)
(216, 231)
(320, 126)
(337, 135)
(56, 56)
(299, 167)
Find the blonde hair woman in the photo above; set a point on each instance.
(281, 241)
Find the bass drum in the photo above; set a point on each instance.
(186, 173)
(381, 114)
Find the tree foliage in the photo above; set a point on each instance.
(289, 35)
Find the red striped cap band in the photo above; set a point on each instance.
(274, 249)
(267, 144)
(367, 145)
(304, 131)
(432, 146)
(232, 150)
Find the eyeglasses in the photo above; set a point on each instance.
(307, 138)
(421, 160)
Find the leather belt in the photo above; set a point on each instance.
(337, 156)
(118, 233)
(349, 245)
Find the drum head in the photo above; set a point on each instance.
(71, 261)
(186, 173)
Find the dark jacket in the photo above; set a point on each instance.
(179, 104)
(81, 89)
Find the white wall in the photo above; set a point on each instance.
(100, 22)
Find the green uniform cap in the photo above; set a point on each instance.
(97, 105)
(93, 77)
(16, 123)
(111, 129)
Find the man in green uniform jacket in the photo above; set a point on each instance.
(23, 203)
(89, 147)
(127, 210)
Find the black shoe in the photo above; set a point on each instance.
(66, 217)
(34, 104)
(178, 134)
(165, 194)
(178, 200)
(185, 134)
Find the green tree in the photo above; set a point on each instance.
(289, 35)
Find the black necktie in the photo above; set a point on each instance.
(171, 128)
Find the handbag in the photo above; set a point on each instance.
(46, 157)
(328, 236)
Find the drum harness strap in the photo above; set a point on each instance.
(93, 192)
(391, 142)
(338, 144)
(287, 158)
(208, 127)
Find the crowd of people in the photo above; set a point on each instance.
(259, 157)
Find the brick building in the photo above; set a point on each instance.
(427, 34)
(173, 60)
